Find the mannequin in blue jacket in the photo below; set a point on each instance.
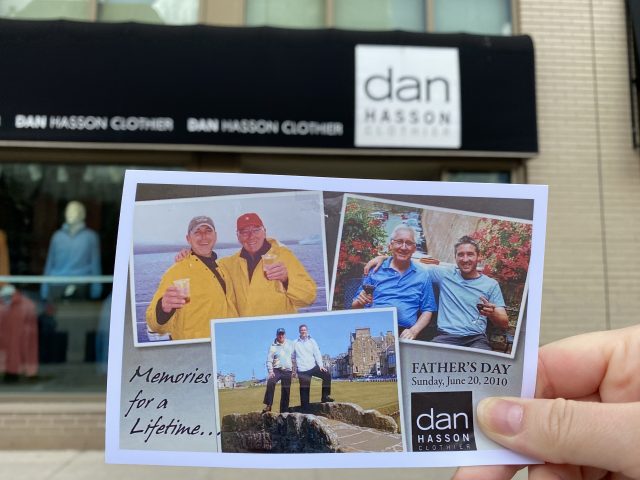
(74, 251)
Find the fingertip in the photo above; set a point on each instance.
(501, 416)
(489, 472)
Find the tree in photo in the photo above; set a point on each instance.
(506, 250)
(363, 237)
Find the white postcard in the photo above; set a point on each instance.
(341, 323)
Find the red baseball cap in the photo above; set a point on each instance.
(249, 220)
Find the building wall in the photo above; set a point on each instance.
(587, 159)
(57, 423)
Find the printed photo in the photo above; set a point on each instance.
(312, 383)
(198, 259)
(458, 279)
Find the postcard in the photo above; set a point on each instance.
(340, 323)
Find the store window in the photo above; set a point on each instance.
(168, 12)
(58, 232)
(286, 13)
(491, 17)
(477, 177)
(380, 15)
(47, 9)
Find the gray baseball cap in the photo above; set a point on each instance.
(199, 221)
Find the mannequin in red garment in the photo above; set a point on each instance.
(18, 334)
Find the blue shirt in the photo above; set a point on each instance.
(458, 314)
(73, 255)
(410, 292)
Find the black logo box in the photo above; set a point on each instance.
(442, 421)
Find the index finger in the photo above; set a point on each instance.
(576, 367)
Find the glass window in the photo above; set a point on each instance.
(286, 13)
(168, 12)
(491, 17)
(478, 177)
(380, 14)
(47, 9)
(58, 232)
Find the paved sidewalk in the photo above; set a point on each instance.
(83, 465)
(361, 439)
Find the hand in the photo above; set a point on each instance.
(409, 334)
(592, 426)
(362, 299)
(487, 307)
(374, 263)
(276, 271)
(322, 369)
(272, 375)
(172, 299)
(181, 255)
(497, 315)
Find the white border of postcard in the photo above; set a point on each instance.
(115, 454)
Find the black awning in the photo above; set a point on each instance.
(634, 16)
(134, 83)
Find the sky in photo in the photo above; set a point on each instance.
(286, 216)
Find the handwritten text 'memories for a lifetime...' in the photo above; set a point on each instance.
(156, 424)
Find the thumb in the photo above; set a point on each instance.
(603, 435)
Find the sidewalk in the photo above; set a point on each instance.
(81, 465)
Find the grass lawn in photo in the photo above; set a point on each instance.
(381, 396)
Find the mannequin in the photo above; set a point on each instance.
(18, 334)
(74, 250)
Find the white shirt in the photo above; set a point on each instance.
(307, 354)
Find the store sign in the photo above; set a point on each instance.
(407, 97)
(322, 89)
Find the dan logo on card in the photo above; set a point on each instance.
(442, 421)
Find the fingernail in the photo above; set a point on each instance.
(503, 417)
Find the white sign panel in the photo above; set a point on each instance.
(407, 97)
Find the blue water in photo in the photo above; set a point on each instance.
(149, 267)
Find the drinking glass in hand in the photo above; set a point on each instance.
(184, 288)
(268, 259)
(480, 307)
(368, 288)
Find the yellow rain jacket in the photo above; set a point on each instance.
(266, 297)
(208, 300)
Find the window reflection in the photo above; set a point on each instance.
(58, 232)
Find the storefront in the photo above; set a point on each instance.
(256, 100)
